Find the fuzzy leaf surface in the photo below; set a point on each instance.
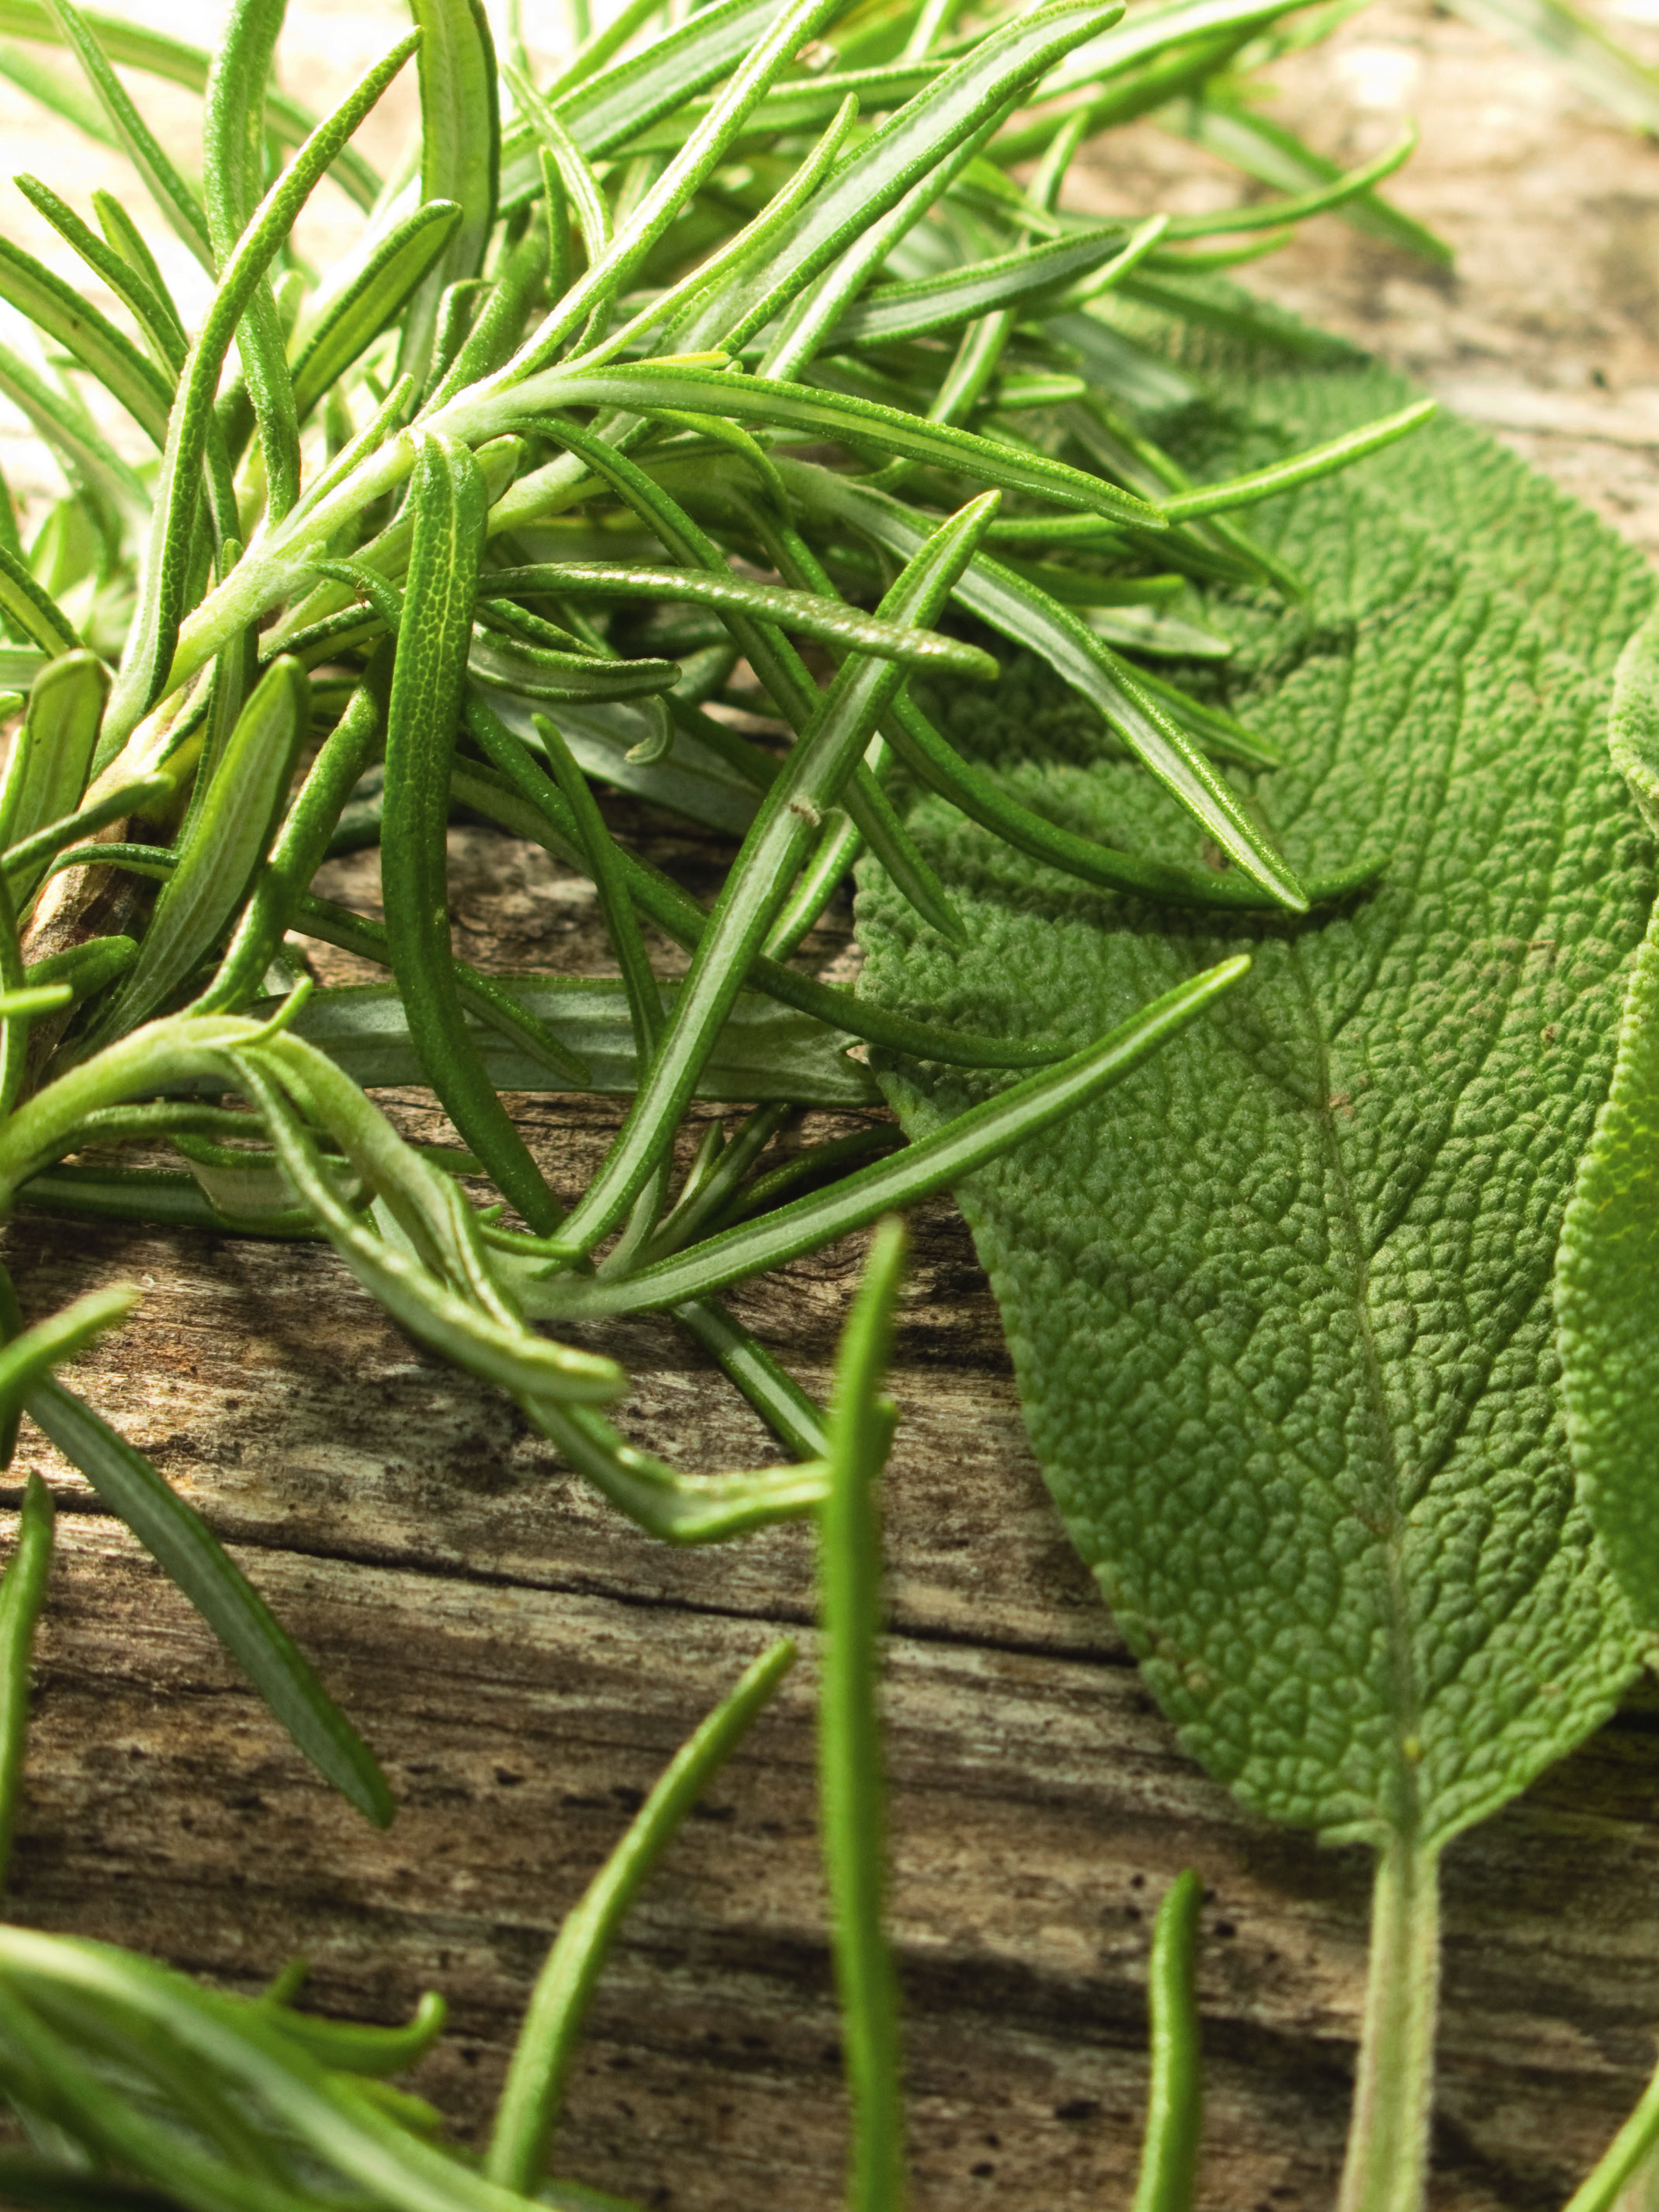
(1280, 1306)
(1608, 1267)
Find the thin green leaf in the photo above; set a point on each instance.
(62, 314)
(126, 238)
(160, 2025)
(1268, 215)
(46, 772)
(449, 502)
(978, 795)
(1032, 618)
(950, 1156)
(752, 241)
(851, 1780)
(678, 1509)
(23, 863)
(1218, 547)
(144, 673)
(533, 673)
(60, 95)
(186, 1549)
(871, 178)
(1621, 2163)
(363, 307)
(224, 845)
(830, 622)
(596, 49)
(472, 1324)
(154, 313)
(1169, 2158)
(537, 812)
(602, 111)
(461, 157)
(1273, 154)
(582, 188)
(176, 202)
(889, 313)
(707, 1190)
(604, 862)
(347, 2047)
(31, 612)
(232, 178)
(34, 1000)
(648, 386)
(796, 22)
(80, 970)
(803, 328)
(693, 780)
(797, 105)
(869, 814)
(87, 459)
(298, 849)
(28, 1358)
(22, 1594)
(1300, 469)
(530, 2099)
(388, 418)
(763, 1051)
(840, 843)
(45, 2072)
(781, 1403)
(134, 46)
(772, 851)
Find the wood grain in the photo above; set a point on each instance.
(526, 1662)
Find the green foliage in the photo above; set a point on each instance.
(1281, 1312)
(1322, 1364)
(1609, 1270)
(699, 355)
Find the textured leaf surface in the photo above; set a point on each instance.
(1280, 1306)
(1607, 1274)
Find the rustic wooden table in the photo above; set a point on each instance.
(524, 1661)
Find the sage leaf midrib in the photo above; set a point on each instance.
(1281, 1315)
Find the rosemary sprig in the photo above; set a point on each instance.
(699, 355)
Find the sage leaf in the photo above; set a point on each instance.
(1281, 1308)
(1374, 1322)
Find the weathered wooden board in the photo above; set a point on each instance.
(526, 1662)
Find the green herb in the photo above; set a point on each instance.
(1280, 1310)
(145, 2090)
(461, 397)
(701, 336)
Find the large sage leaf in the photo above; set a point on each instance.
(1280, 1306)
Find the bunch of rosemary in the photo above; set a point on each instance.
(702, 355)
